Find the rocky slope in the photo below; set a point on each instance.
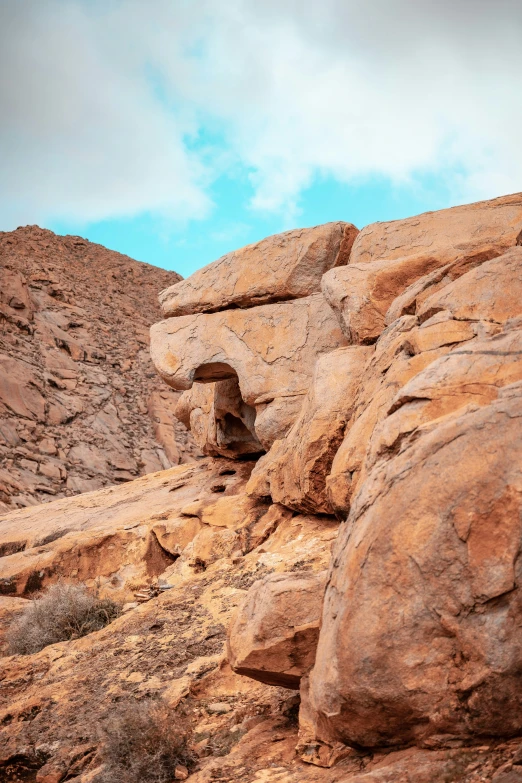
(334, 592)
(79, 404)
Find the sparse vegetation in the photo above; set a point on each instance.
(144, 742)
(61, 613)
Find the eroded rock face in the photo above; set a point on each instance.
(446, 234)
(220, 421)
(273, 636)
(295, 469)
(271, 349)
(281, 267)
(388, 258)
(424, 585)
(76, 381)
(413, 441)
(471, 306)
(124, 537)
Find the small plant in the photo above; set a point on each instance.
(61, 613)
(144, 742)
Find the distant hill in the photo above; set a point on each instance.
(80, 404)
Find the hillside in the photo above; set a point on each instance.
(333, 593)
(80, 405)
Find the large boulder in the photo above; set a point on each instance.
(421, 629)
(270, 349)
(388, 258)
(295, 469)
(273, 635)
(472, 305)
(280, 267)
(446, 234)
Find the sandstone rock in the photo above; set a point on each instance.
(470, 375)
(491, 292)
(391, 367)
(362, 293)
(446, 235)
(271, 349)
(412, 298)
(388, 258)
(120, 537)
(423, 584)
(170, 646)
(218, 419)
(281, 267)
(474, 304)
(294, 471)
(274, 634)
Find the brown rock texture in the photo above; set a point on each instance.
(295, 469)
(270, 349)
(280, 267)
(387, 258)
(420, 635)
(370, 558)
(76, 381)
(220, 421)
(273, 636)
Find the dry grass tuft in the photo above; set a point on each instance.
(62, 613)
(144, 742)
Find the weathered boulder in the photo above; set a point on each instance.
(446, 234)
(123, 537)
(420, 633)
(490, 292)
(220, 421)
(271, 349)
(273, 635)
(388, 258)
(280, 267)
(391, 366)
(362, 293)
(472, 306)
(295, 469)
(470, 375)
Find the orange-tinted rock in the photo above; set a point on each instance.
(472, 305)
(273, 636)
(121, 537)
(410, 301)
(271, 349)
(446, 235)
(392, 365)
(280, 267)
(470, 374)
(219, 420)
(491, 292)
(295, 469)
(388, 258)
(421, 625)
(362, 293)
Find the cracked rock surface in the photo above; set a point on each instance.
(79, 404)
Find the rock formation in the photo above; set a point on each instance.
(79, 404)
(354, 531)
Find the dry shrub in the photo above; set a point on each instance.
(62, 613)
(144, 742)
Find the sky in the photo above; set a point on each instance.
(177, 130)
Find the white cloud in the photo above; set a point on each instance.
(99, 99)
